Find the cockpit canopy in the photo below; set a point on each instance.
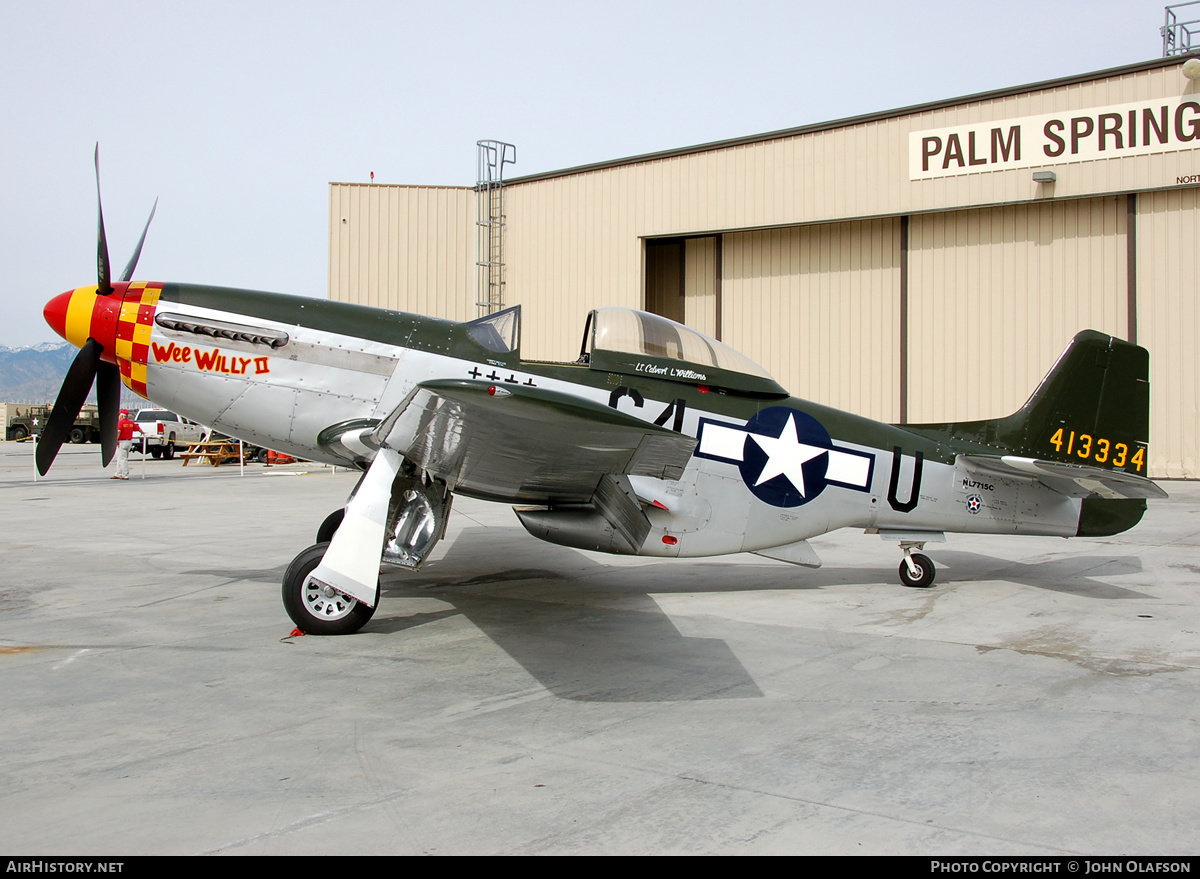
(633, 342)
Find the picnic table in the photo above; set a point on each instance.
(216, 451)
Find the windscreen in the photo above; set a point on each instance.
(499, 332)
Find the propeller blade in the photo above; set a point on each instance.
(137, 251)
(74, 391)
(108, 396)
(102, 266)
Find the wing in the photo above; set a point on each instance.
(522, 444)
(1072, 480)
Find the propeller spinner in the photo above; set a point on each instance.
(87, 317)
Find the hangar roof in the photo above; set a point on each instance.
(1153, 64)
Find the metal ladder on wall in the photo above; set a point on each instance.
(489, 224)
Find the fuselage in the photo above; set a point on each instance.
(296, 375)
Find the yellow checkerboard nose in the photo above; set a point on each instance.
(134, 325)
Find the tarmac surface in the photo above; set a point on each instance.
(515, 697)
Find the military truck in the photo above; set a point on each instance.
(26, 419)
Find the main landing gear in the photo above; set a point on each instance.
(330, 526)
(327, 586)
(315, 607)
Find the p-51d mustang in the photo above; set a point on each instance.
(657, 441)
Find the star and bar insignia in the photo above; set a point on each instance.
(785, 456)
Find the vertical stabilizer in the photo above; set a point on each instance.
(1083, 432)
(1092, 409)
(1099, 389)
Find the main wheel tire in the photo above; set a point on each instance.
(19, 433)
(320, 610)
(168, 451)
(330, 525)
(925, 572)
(78, 436)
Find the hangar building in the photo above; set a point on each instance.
(921, 264)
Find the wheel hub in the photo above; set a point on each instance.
(326, 603)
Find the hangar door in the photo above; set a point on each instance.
(995, 294)
(991, 297)
(683, 281)
(819, 308)
(1168, 285)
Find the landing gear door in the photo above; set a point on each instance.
(416, 521)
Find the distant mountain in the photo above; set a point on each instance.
(40, 346)
(35, 374)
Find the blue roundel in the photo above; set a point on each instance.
(785, 456)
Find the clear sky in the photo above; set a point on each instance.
(238, 115)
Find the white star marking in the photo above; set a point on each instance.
(786, 455)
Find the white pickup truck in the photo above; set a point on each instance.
(162, 432)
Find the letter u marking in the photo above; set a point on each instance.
(914, 493)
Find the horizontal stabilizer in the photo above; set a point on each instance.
(1072, 480)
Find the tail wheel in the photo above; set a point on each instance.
(316, 608)
(922, 578)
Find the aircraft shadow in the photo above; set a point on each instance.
(1070, 575)
(585, 630)
(588, 629)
